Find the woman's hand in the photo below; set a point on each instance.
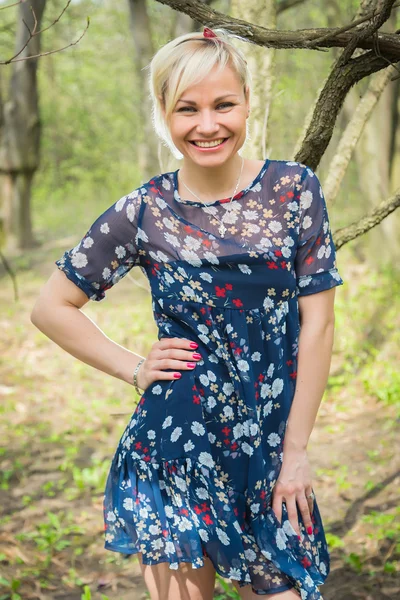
(167, 353)
(294, 485)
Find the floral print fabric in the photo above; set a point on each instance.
(195, 468)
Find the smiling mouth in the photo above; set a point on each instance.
(211, 144)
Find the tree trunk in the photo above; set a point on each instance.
(20, 134)
(261, 64)
(148, 154)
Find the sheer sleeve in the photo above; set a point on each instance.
(108, 250)
(315, 261)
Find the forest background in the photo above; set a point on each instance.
(60, 420)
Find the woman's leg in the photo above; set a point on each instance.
(246, 593)
(184, 583)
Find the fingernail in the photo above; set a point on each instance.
(194, 345)
(196, 355)
(309, 530)
(299, 537)
(177, 375)
(191, 365)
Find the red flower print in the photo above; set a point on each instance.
(226, 442)
(282, 198)
(207, 243)
(237, 302)
(306, 562)
(228, 286)
(283, 264)
(138, 445)
(220, 291)
(197, 509)
(290, 194)
(205, 507)
(278, 252)
(226, 430)
(271, 265)
(203, 310)
(293, 375)
(147, 458)
(208, 520)
(196, 399)
(309, 260)
(234, 446)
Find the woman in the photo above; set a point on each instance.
(211, 473)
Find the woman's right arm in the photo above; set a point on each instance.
(57, 314)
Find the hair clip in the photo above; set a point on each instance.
(208, 33)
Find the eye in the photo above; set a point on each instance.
(222, 105)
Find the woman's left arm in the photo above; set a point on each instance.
(314, 358)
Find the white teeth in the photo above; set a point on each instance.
(209, 144)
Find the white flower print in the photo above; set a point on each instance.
(306, 199)
(277, 387)
(151, 434)
(188, 446)
(234, 573)
(111, 517)
(275, 226)
(250, 555)
(254, 429)
(211, 402)
(157, 544)
(307, 222)
(197, 428)
(204, 380)
(250, 215)
(191, 243)
(206, 459)
(243, 365)
(267, 408)
(88, 242)
(157, 389)
(141, 235)
(120, 204)
(238, 431)
(128, 503)
(131, 212)
(169, 511)
(79, 260)
(204, 535)
(245, 269)
(228, 388)
(265, 389)
(256, 356)
(211, 437)
(168, 223)
(104, 228)
(120, 251)
(228, 411)
(106, 273)
(211, 376)
(270, 371)
(181, 484)
(202, 493)
(206, 277)
(167, 422)
(324, 251)
(222, 536)
(154, 529)
(268, 303)
(176, 434)
(273, 439)
(211, 257)
(169, 548)
(247, 448)
(144, 513)
(280, 538)
(172, 239)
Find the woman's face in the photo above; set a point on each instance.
(208, 123)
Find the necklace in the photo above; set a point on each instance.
(222, 229)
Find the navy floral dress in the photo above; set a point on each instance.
(195, 468)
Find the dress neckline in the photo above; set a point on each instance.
(223, 200)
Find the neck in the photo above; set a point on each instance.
(211, 183)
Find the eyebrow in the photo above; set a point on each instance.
(216, 99)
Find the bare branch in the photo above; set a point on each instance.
(377, 215)
(34, 32)
(10, 5)
(281, 39)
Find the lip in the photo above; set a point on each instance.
(211, 149)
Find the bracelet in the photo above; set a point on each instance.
(135, 383)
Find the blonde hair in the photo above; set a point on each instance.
(183, 62)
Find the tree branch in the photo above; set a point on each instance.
(350, 232)
(33, 33)
(271, 38)
(286, 4)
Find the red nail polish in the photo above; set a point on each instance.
(177, 375)
(299, 537)
(194, 345)
(309, 530)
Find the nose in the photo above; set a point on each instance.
(207, 124)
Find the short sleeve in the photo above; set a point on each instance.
(108, 250)
(315, 261)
